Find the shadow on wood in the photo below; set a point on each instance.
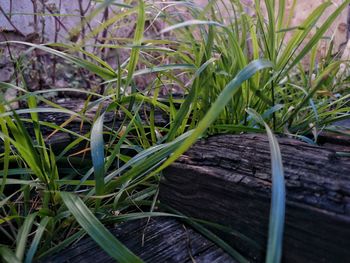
(161, 240)
(227, 179)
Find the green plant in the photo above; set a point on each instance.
(230, 73)
(284, 96)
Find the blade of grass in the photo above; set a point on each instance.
(103, 72)
(319, 34)
(36, 240)
(97, 154)
(97, 231)
(196, 224)
(138, 37)
(177, 125)
(66, 242)
(278, 198)
(190, 23)
(300, 35)
(7, 255)
(7, 150)
(317, 85)
(23, 235)
(225, 96)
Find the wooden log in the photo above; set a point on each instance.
(160, 240)
(227, 179)
(111, 119)
(60, 139)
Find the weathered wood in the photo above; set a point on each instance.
(227, 179)
(112, 120)
(109, 119)
(161, 240)
(335, 141)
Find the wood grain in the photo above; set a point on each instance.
(227, 179)
(161, 240)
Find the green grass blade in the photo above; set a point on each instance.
(103, 72)
(225, 96)
(63, 244)
(7, 255)
(7, 151)
(197, 224)
(278, 198)
(23, 235)
(108, 23)
(138, 37)
(97, 231)
(326, 73)
(143, 162)
(270, 5)
(182, 115)
(319, 34)
(300, 35)
(190, 23)
(97, 154)
(26, 147)
(36, 240)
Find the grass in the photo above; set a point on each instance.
(240, 76)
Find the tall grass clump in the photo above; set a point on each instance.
(236, 74)
(291, 96)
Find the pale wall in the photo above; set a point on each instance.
(49, 27)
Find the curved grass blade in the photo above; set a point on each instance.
(97, 231)
(36, 241)
(178, 124)
(318, 82)
(176, 214)
(142, 163)
(38, 110)
(300, 35)
(7, 255)
(107, 23)
(23, 235)
(319, 33)
(138, 37)
(105, 73)
(97, 153)
(196, 224)
(62, 245)
(191, 23)
(223, 99)
(7, 151)
(278, 198)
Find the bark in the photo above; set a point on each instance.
(227, 179)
